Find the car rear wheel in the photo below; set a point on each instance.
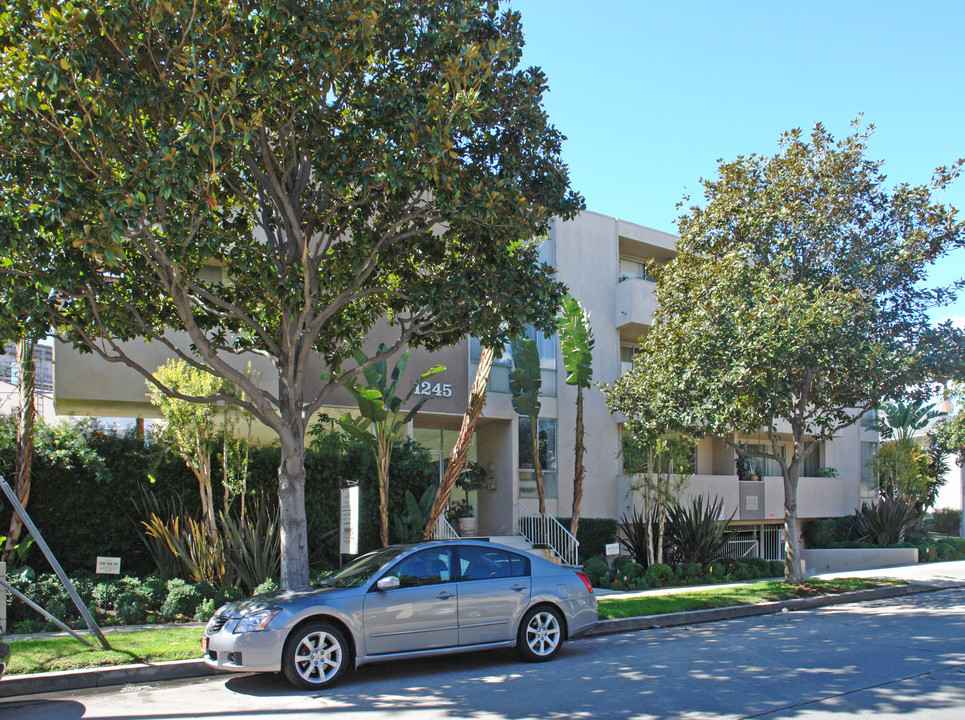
(315, 656)
(540, 635)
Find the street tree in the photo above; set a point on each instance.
(266, 181)
(798, 300)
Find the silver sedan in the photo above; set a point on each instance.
(405, 601)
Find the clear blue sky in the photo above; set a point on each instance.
(650, 94)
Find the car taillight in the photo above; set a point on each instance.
(586, 581)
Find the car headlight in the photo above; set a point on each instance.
(256, 621)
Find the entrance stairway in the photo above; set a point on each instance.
(518, 542)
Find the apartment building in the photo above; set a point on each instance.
(602, 260)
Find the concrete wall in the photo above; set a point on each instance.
(847, 559)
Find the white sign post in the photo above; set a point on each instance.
(349, 526)
(612, 549)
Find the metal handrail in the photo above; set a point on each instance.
(543, 529)
(443, 530)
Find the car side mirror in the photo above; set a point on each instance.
(390, 582)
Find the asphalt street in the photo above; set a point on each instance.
(897, 658)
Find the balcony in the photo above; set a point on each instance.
(635, 303)
(760, 501)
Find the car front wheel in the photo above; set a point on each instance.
(540, 635)
(315, 656)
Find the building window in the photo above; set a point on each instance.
(547, 458)
(812, 463)
(634, 268)
(628, 354)
(869, 480)
(751, 467)
(43, 367)
(503, 364)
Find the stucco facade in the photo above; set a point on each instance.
(600, 259)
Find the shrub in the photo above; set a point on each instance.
(775, 568)
(205, 610)
(105, 594)
(270, 585)
(821, 533)
(182, 600)
(695, 530)
(689, 572)
(662, 574)
(885, 522)
(595, 569)
(593, 534)
(633, 537)
(946, 521)
(25, 627)
(718, 571)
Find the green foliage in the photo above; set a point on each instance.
(253, 544)
(634, 536)
(269, 586)
(662, 573)
(82, 465)
(697, 531)
(275, 187)
(885, 522)
(902, 420)
(797, 295)
(205, 610)
(902, 468)
(182, 600)
(947, 521)
(824, 531)
(576, 343)
(935, 550)
(410, 525)
(595, 568)
(593, 534)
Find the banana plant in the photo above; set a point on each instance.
(525, 382)
(576, 343)
(382, 417)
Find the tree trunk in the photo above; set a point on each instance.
(792, 540)
(291, 505)
(383, 457)
(651, 497)
(537, 465)
(578, 468)
(25, 442)
(460, 451)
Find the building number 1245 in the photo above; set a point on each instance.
(437, 389)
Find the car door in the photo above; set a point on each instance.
(419, 614)
(494, 589)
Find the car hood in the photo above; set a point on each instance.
(281, 598)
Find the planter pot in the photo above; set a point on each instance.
(467, 527)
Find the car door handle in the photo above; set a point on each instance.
(444, 595)
(517, 587)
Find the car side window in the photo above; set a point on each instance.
(480, 563)
(426, 567)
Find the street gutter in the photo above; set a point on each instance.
(16, 685)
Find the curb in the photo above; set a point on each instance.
(15, 685)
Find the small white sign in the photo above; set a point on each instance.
(612, 549)
(349, 526)
(751, 502)
(782, 537)
(108, 565)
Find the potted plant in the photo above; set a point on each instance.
(461, 513)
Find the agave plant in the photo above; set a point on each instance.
(634, 537)
(253, 544)
(696, 531)
(885, 522)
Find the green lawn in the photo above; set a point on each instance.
(66, 653)
(613, 607)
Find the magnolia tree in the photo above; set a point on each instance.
(268, 180)
(798, 300)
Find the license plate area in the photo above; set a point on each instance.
(204, 643)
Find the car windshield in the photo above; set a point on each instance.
(361, 569)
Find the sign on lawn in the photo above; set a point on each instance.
(349, 526)
(612, 549)
(108, 565)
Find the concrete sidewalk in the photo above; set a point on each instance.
(922, 578)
